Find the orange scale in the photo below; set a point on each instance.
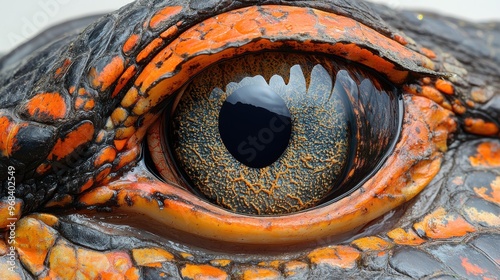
(46, 105)
(131, 43)
(127, 157)
(67, 144)
(371, 243)
(445, 87)
(488, 155)
(164, 15)
(106, 155)
(104, 78)
(149, 49)
(441, 225)
(336, 256)
(402, 237)
(34, 239)
(98, 196)
(193, 271)
(124, 79)
(481, 127)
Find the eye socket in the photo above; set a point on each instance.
(344, 121)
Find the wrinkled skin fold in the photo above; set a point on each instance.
(77, 201)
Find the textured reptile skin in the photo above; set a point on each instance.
(67, 157)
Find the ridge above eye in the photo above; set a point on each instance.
(343, 119)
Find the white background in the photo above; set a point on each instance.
(24, 18)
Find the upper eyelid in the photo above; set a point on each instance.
(198, 47)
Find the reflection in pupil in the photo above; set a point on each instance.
(255, 125)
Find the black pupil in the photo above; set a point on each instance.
(255, 125)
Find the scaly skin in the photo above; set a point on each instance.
(75, 115)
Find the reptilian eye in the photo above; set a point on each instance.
(275, 133)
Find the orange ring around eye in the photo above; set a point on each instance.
(415, 161)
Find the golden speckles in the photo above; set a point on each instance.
(440, 225)
(164, 15)
(151, 256)
(402, 237)
(371, 243)
(103, 78)
(203, 272)
(481, 127)
(336, 256)
(488, 155)
(81, 134)
(47, 106)
(34, 239)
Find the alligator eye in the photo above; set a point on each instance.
(275, 133)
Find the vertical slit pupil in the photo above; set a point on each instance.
(255, 125)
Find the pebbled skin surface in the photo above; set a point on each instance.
(67, 157)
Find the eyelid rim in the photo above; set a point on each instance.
(271, 27)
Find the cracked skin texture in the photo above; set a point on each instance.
(73, 123)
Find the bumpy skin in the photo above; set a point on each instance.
(73, 117)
